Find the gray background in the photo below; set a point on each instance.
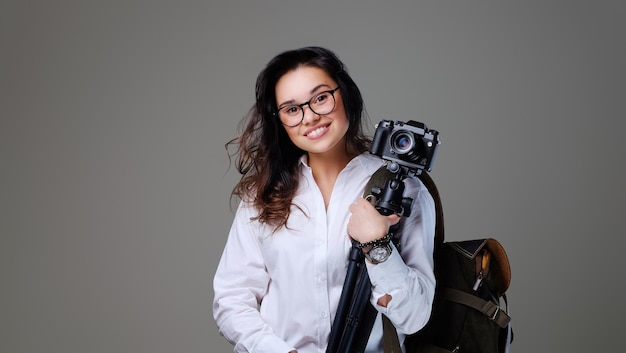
(114, 180)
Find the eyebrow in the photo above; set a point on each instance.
(291, 101)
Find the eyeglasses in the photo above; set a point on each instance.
(322, 103)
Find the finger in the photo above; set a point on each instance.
(393, 219)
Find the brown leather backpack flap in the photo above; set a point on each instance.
(502, 260)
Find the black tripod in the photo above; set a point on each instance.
(355, 315)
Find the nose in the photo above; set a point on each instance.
(309, 115)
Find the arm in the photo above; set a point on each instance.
(403, 286)
(240, 283)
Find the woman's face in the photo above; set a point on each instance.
(317, 133)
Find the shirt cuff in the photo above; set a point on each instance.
(390, 275)
(272, 344)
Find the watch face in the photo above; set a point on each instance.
(380, 253)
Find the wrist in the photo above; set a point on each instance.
(378, 250)
(367, 246)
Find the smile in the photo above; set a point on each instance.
(317, 132)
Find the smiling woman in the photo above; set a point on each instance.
(304, 163)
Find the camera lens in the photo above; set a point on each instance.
(402, 142)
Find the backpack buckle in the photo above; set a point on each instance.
(495, 313)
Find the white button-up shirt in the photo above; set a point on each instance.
(279, 292)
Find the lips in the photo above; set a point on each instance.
(316, 132)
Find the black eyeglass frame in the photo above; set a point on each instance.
(301, 106)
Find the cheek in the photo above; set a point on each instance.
(340, 111)
(341, 118)
(292, 132)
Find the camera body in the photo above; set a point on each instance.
(409, 146)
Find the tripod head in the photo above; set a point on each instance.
(390, 199)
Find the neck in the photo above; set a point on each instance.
(326, 167)
(330, 163)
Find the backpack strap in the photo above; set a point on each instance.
(391, 343)
(377, 180)
(488, 308)
(432, 189)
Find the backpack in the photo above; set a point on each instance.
(470, 309)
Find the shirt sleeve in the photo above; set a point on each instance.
(239, 284)
(408, 274)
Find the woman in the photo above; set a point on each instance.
(304, 164)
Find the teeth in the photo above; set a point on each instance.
(316, 132)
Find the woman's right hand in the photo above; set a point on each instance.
(366, 223)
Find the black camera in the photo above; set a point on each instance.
(409, 146)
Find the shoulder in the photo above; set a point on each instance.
(368, 162)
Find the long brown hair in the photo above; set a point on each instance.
(265, 156)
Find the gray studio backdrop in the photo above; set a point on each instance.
(114, 181)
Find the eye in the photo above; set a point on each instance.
(291, 110)
(321, 98)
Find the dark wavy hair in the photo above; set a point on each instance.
(265, 156)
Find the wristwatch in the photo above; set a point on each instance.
(379, 252)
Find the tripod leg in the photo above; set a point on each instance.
(355, 269)
(360, 318)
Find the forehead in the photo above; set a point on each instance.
(299, 84)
